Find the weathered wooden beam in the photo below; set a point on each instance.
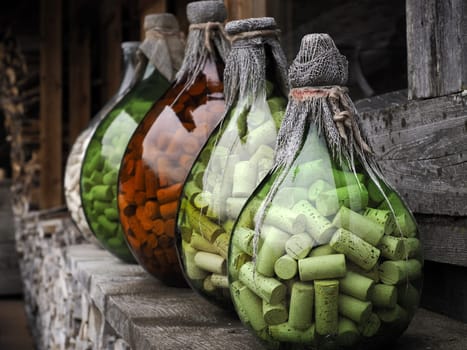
(110, 24)
(436, 47)
(51, 103)
(422, 149)
(79, 61)
(238, 9)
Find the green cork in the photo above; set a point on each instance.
(362, 226)
(307, 173)
(267, 288)
(348, 333)
(391, 248)
(274, 313)
(394, 315)
(250, 305)
(326, 307)
(286, 267)
(287, 196)
(371, 326)
(319, 227)
(286, 333)
(405, 225)
(243, 240)
(354, 197)
(102, 193)
(354, 309)
(384, 296)
(346, 178)
(395, 272)
(382, 217)
(355, 249)
(356, 285)
(301, 305)
(322, 267)
(298, 246)
(412, 247)
(321, 250)
(316, 188)
(285, 219)
(372, 274)
(273, 248)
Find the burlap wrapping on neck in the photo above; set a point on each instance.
(163, 45)
(245, 69)
(205, 40)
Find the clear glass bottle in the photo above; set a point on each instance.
(236, 157)
(165, 144)
(75, 158)
(325, 254)
(106, 148)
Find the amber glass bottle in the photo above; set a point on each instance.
(165, 144)
(98, 179)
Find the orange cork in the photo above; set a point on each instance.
(136, 227)
(128, 189)
(169, 227)
(151, 210)
(169, 194)
(169, 210)
(151, 184)
(140, 198)
(158, 227)
(139, 176)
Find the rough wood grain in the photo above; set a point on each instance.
(444, 238)
(436, 45)
(422, 149)
(79, 62)
(238, 9)
(51, 104)
(110, 24)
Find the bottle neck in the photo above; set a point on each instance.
(129, 68)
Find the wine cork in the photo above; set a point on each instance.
(372, 274)
(391, 248)
(221, 243)
(395, 272)
(307, 173)
(286, 267)
(371, 326)
(193, 272)
(265, 134)
(243, 239)
(298, 246)
(384, 296)
(210, 262)
(322, 267)
(326, 307)
(375, 194)
(394, 315)
(347, 334)
(202, 224)
(301, 305)
(219, 281)
(274, 313)
(263, 152)
(264, 166)
(321, 250)
(365, 228)
(244, 179)
(273, 248)
(251, 305)
(286, 333)
(382, 217)
(200, 243)
(234, 206)
(354, 197)
(354, 309)
(405, 225)
(355, 249)
(411, 247)
(346, 178)
(287, 196)
(408, 297)
(285, 219)
(319, 227)
(316, 188)
(356, 285)
(266, 288)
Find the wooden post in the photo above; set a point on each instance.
(436, 47)
(147, 7)
(238, 9)
(79, 61)
(111, 37)
(51, 103)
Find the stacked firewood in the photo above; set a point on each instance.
(19, 100)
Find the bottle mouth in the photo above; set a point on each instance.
(250, 24)
(206, 11)
(161, 21)
(130, 45)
